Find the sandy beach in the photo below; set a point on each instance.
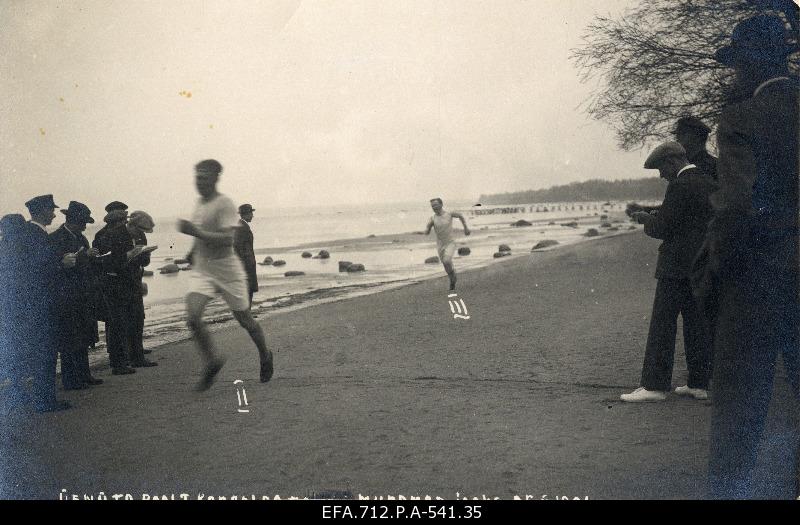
(387, 394)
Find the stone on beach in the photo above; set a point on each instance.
(503, 248)
(305, 255)
(497, 255)
(356, 268)
(605, 225)
(432, 260)
(544, 244)
(181, 261)
(266, 262)
(464, 251)
(293, 273)
(324, 254)
(613, 229)
(147, 273)
(169, 268)
(344, 265)
(279, 262)
(603, 217)
(631, 227)
(521, 222)
(592, 233)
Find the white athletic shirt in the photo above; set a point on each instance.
(443, 226)
(213, 216)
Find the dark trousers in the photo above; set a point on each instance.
(74, 348)
(117, 338)
(674, 297)
(758, 319)
(135, 331)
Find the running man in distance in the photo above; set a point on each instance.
(217, 270)
(442, 223)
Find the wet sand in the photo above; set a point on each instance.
(387, 394)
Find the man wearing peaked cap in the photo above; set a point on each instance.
(752, 268)
(680, 223)
(692, 133)
(43, 275)
(77, 325)
(243, 246)
(116, 205)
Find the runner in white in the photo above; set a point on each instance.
(442, 223)
(217, 270)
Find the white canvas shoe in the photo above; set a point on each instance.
(697, 393)
(642, 395)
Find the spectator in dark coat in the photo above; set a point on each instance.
(12, 312)
(42, 273)
(77, 326)
(751, 254)
(139, 224)
(115, 245)
(681, 223)
(243, 246)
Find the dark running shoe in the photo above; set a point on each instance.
(267, 368)
(208, 375)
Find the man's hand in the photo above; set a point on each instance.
(93, 252)
(69, 260)
(632, 208)
(187, 227)
(640, 216)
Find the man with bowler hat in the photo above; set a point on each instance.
(751, 253)
(243, 246)
(681, 224)
(77, 325)
(43, 271)
(139, 225)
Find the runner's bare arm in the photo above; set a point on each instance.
(428, 227)
(460, 217)
(223, 237)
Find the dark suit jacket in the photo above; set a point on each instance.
(243, 246)
(681, 223)
(119, 276)
(756, 207)
(706, 162)
(77, 288)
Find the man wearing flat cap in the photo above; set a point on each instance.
(116, 248)
(77, 325)
(43, 273)
(139, 224)
(681, 224)
(243, 246)
(751, 259)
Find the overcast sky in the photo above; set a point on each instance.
(304, 103)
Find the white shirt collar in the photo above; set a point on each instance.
(767, 83)
(244, 222)
(39, 225)
(687, 167)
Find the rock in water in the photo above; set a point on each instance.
(603, 217)
(293, 274)
(344, 265)
(613, 229)
(592, 233)
(324, 254)
(464, 251)
(631, 227)
(572, 224)
(181, 261)
(606, 225)
(266, 262)
(521, 222)
(169, 268)
(497, 255)
(432, 260)
(544, 244)
(147, 273)
(356, 268)
(279, 262)
(305, 255)
(503, 248)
